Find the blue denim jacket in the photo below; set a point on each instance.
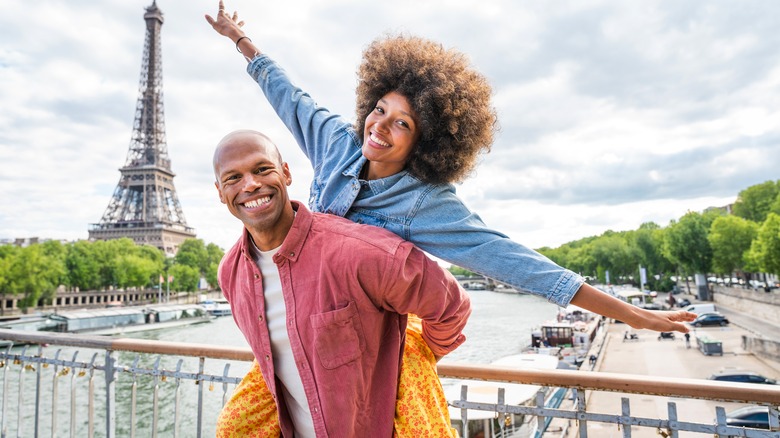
(430, 216)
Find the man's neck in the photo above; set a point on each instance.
(273, 237)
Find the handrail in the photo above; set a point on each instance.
(615, 382)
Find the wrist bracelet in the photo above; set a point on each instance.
(239, 40)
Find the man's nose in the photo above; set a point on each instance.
(252, 183)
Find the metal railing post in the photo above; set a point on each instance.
(581, 410)
(5, 364)
(625, 408)
(201, 370)
(110, 395)
(38, 390)
(55, 394)
(21, 396)
(91, 398)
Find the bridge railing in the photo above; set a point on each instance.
(125, 387)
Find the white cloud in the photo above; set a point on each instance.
(612, 114)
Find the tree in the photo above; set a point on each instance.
(730, 238)
(7, 254)
(755, 202)
(765, 250)
(193, 253)
(686, 243)
(185, 278)
(215, 256)
(647, 245)
(34, 275)
(83, 266)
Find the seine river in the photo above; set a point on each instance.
(500, 325)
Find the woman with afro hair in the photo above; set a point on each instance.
(423, 117)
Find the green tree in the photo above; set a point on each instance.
(215, 256)
(755, 202)
(185, 278)
(34, 275)
(765, 251)
(457, 270)
(7, 255)
(83, 266)
(730, 238)
(136, 271)
(686, 243)
(193, 253)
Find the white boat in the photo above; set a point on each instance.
(485, 422)
(217, 307)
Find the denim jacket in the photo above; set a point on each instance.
(429, 215)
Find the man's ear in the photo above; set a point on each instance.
(286, 172)
(221, 198)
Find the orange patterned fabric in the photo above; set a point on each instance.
(420, 410)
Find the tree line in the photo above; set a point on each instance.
(36, 271)
(744, 243)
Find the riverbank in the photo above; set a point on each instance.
(666, 358)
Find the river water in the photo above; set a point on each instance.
(500, 325)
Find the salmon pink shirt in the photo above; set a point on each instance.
(347, 289)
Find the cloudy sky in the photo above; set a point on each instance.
(612, 113)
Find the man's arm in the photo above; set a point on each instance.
(594, 300)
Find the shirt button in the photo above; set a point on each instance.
(267, 357)
(257, 276)
(260, 317)
(292, 254)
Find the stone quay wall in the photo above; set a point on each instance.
(761, 305)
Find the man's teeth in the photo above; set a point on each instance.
(257, 202)
(379, 142)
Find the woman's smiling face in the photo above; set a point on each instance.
(390, 135)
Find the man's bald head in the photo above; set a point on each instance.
(244, 138)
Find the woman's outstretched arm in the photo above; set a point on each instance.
(594, 300)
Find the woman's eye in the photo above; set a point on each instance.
(380, 110)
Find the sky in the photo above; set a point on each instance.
(611, 113)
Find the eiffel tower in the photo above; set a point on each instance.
(144, 206)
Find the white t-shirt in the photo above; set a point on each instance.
(284, 361)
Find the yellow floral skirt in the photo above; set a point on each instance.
(420, 409)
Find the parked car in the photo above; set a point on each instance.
(749, 416)
(685, 302)
(742, 377)
(706, 319)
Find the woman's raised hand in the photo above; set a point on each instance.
(226, 24)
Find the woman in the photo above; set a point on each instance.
(423, 117)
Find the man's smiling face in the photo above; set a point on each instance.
(252, 181)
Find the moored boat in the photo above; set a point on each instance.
(486, 422)
(217, 307)
(110, 321)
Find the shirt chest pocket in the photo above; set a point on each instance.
(338, 336)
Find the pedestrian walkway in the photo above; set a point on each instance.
(649, 355)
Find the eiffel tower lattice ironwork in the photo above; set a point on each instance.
(145, 206)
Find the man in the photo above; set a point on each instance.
(322, 301)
